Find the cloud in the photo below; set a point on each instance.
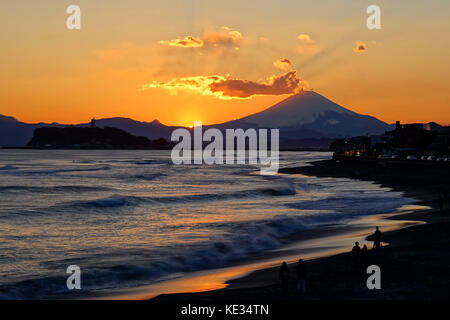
(283, 64)
(304, 37)
(360, 47)
(187, 42)
(226, 88)
(275, 85)
(307, 44)
(223, 37)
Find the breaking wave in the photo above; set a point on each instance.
(120, 201)
(246, 238)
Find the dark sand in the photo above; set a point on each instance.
(415, 264)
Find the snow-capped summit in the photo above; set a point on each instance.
(297, 110)
(311, 115)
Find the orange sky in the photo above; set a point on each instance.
(179, 60)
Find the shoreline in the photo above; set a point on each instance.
(401, 261)
(262, 284)
(310, 244)
(256, 277)
(424, 183)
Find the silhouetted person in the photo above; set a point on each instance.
(377, 238)
(356, 255)
(301, 276)
(284, 276)
(365, 256)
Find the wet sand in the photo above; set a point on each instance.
(414, 259)
(310, 244)
(415, 265)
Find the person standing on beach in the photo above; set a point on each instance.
(284, 276)
(356, 255)
(377, 238)
(301, 276)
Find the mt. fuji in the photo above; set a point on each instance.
(310, 115)
(305, 120)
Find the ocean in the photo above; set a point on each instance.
(131, 218)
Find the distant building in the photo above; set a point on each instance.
(380, 139)
(353, 146)
(415, 139)
(409, 135)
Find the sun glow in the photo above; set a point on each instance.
(176, 66)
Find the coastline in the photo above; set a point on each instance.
(414, 266)
(424, 183)
(410, 234)
(310, 244)
(417, 235)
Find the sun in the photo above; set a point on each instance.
(193, 124)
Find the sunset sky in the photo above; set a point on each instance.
(183, 60)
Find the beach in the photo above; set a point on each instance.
(124, 218)
(414, 265)
(135, 222)
(261, 270)
(414, 260)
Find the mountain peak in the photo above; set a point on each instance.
(304, 115)
(7, 119)
(302, 108)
